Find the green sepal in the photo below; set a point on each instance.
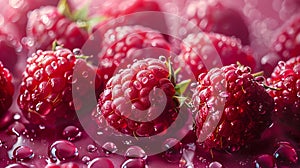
(181, 87)
(64, 9)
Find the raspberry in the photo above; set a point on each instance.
(132, 102)
(202, 51)
(47, 24)
(214, 17)
(10, 48)
(116, 8)
(287, 43)
(7, 89)
(286, 79)
(124, 44)
(231, 108)
(46, 89)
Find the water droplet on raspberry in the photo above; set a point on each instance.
(264, 161)
(173, 150)
(63, 150)
(215, 165)
(162, 58)
(71, 133)
(286, 153)
(23, 153)
(101, 162)
(134, 163)
(135, 152)
(109, 147)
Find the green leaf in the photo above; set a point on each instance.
(181, 87)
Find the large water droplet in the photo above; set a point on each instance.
(101, 162)
(63, 150)
(134, 163)
(135, 152)
(109, 147)
(71, 133)
(23, 153)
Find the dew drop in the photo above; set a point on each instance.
(71, 133)
(285, 153)
(63, 150)
(134, 163)
(135, 152)
(109, 147)
(91, 148)
(101, 162)
(86, 159)
(173, 150)
(264, 161)
(162, 58)
(23, 153)
(215, 164)
(17, 129)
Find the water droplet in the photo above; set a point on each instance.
(23, 153)
(17, 116)
(162, 58)
(264, 161)
(86, 159)
(135, 152)
(137, 85)
(101, 162)
(144, 80)
(91, 148)
(71, 133)
(173, 150)
(63, 150)
(85, 74)
(286, 153)
(134, 163)
(17, 129)
(215, 164)
(109, 147)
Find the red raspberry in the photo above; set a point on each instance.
(214, 17)
(116, 8)
(286, 79)
(124, 44)
(48, 24)
(7, 89)
(15, 12)
(9, 48)
(133, 100)
(46, 89)
(231, 108)
(202, 51)
(287, 43)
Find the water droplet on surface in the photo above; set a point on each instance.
(135, 152)
(134, 163)
(17, 129)
(71, 133)
(63, 150)
(215, 165)
(285, 153)
(23, 153)
(109, 147)
(173, 150)
(91, 148)
(264, 161)
(101, 162)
